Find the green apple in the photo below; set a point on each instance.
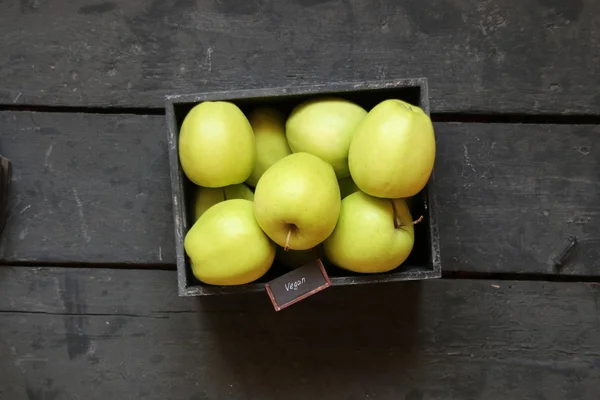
(347, 186)
(227, 247)
(372, 234)
(324, 127)
(393, 150)
(291, 259)
(271, 145)
(205, 198)
(216, 145)
(297, 201)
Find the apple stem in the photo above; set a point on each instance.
(287, 240)
(224, 194)
(417, 220)
(398, 223)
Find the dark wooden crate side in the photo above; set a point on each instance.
(368, 94)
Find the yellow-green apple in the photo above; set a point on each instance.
(393, 150)
(216, 145)
(227, 247)
(324, 126)
(297, 201)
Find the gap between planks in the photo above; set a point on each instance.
(536, 119)
(446, 275)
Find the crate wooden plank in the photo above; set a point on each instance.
(69, 333)
(509, 194)
(533, 56)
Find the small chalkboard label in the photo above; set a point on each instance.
(298, 284)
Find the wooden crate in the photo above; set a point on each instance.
(424, 261)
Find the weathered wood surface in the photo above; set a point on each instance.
(531, 56)
(510, 195)
(81, 333)
(87, 188)
(95, 189)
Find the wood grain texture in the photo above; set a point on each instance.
(87, 187)
(534, 56)
(96, 189)
(69, 333)
(510, 195)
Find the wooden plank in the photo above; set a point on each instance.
(510, 196)
(95, 189)
(77, 333)
(87, 187)
(534, 56)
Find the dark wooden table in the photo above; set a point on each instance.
(88, 301)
